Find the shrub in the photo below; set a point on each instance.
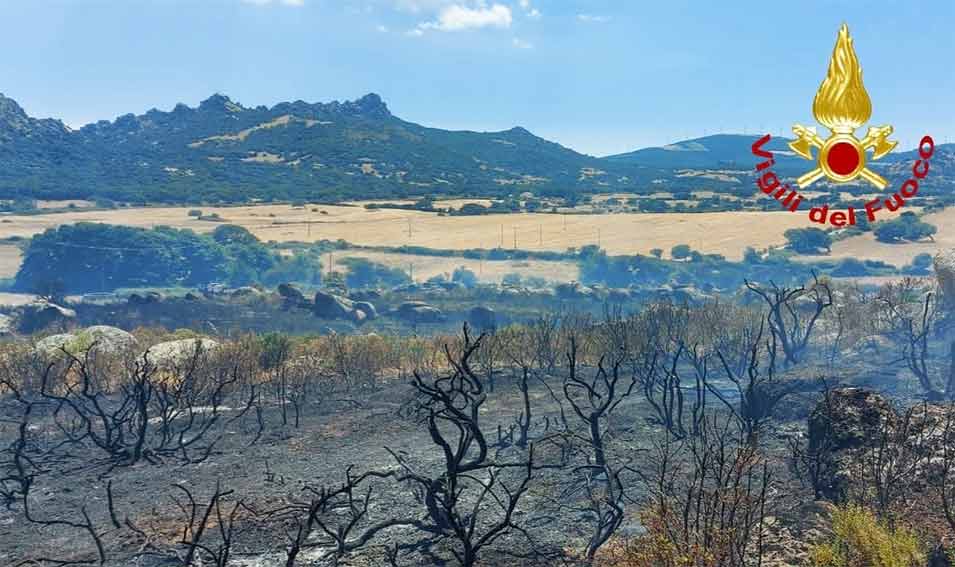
(654, 206)
(195, 213)
(860, 540)
(808, 240)
(850, 267)
(469, 209)
(98, 257)
(464, 276)
(274, 350)
(681, 251)
(302, 267)
(907, 227)
(921, 265)
(511, 279)
(364, 273)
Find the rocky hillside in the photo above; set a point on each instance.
(224, 151)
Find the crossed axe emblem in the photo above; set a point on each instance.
(842, 156)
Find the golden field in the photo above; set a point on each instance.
(622, 233)
(425, 267)
(10, 258)
(728, 234)
(868, 248)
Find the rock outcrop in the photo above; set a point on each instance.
(365, 295)
(172, 354)
(791, 533)
(367, 308)
(331, 306)
(292, 297)
(847, 420)
(418, 312)
(100, 339)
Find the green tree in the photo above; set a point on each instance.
(100, 257)
(906, 228)
(464, 276)
(365, 273)
(921, 265)
(681, 251)
(808, 240)
(654, 205)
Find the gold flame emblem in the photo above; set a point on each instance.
(842, 105)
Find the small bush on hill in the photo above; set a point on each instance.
(860, 540)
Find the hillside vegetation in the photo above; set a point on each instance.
(222, 151)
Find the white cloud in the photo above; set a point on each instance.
(529, 10)
(522, 44)
(457, 18)
(418, 6)
(592, 19)
(381, 28)
(295, 3)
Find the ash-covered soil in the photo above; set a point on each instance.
(358, 430)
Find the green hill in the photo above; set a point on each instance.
(222, 151)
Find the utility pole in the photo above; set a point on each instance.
(598, 238)
(515, 238)
(502, 236)
(540, 236)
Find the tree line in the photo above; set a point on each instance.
(92, 257)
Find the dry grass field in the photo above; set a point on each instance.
(627, 233)
(424, 267)
(10, 258)
(728, 234)
(868, 248)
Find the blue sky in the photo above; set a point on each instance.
(598, 76)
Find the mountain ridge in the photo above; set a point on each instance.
(222, 151)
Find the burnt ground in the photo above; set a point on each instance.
(273, 471)
(354, 429)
